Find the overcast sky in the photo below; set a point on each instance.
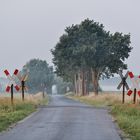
(31, 28)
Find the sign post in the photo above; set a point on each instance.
(135, 94)
(123, 98)
(12, 94)
(22, 79)
(22, 86)
(12, 84)
(123, 84)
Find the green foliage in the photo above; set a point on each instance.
(87, 46)
(40, 75)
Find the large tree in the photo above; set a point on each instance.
(88, 46)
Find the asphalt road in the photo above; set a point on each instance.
(65, 119)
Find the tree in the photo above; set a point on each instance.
(40, 75)
(88, 46)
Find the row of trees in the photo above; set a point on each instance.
(87, 52)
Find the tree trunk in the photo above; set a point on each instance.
(87, 83)
(84, 85)
(76, 84)
(79, 84)
(95, 78)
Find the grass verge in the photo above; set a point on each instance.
(11, 114)
(126, 115)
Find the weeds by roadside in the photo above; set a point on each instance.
(11, 114)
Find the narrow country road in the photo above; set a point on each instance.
(65, 119)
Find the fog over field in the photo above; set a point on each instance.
(31, 28)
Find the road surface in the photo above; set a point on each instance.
(65, 119)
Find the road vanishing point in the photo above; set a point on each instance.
(65, 119)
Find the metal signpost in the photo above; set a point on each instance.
(123, 84)
(12, 84)
(22, 79)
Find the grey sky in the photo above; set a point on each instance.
(30, 28)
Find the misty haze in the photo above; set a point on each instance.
(69, 70)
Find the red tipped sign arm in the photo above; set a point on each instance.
(129, 92)
(17, 88)
(131, 75)
(6, 72)
(16, 72)
(139, 93)
(8, 89)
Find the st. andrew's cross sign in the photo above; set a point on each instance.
(12, 83)
(123, 84)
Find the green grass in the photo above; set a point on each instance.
(128, 118)
(127, 115)
(10, 115)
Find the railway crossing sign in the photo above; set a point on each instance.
(23, 79)
(123, 84)
(135, 87)
(11, 80)
(12, 83)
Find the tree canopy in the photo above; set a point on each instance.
(89, 47)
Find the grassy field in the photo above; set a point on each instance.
(11, 114)
(127, 115)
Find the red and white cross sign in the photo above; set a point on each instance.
(135, 82)
(11, 80)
